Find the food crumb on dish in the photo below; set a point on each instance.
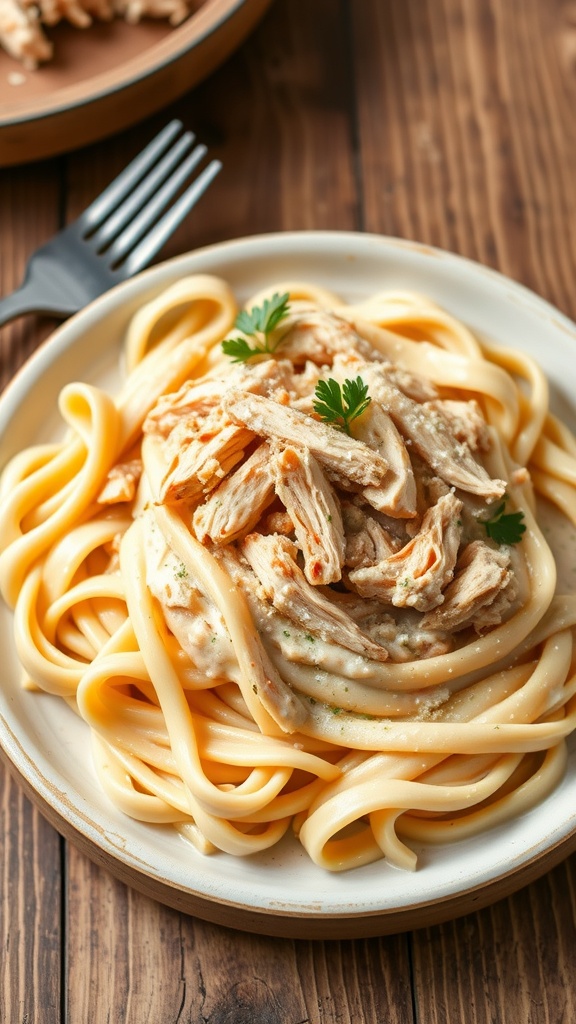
(23, 22)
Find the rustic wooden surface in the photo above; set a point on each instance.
(448, 121)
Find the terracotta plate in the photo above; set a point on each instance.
(280, 892)
(112, 75)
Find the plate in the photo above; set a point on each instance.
(279, 892)
(112, 75)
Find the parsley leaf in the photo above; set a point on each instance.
(264, 318)
(505, 528)
(341, 405)
(258, 323)
(239, 350)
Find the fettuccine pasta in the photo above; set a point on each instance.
(275, 613)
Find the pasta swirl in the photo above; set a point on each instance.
(270, 621)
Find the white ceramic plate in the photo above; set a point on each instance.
(279, 892)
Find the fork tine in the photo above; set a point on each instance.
(153, 209)
(112, 196)
(127, 211)
(153, 242)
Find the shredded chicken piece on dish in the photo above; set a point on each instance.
(273, 559)
(192, 403)
(464, 420)
(190, 614)
(236, 505)
(482, 592)
(121, 483)
(367, 541)
(416, 575)
(429, 432)
(53, 11)
(419, 389)
(277, 522)
(396, 495)
(348, 458)
(22, 21)
(21, 34)
(312, 506)
(175, 11)
(317, 336)
(202, 460)
(198, 625)
(196, 400)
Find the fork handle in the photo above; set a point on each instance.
(25, 300)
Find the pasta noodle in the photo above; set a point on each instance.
(270, 621)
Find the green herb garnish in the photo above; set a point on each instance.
(505, 528)
(257, 324)
(340, 405)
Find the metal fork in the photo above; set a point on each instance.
(119, 233)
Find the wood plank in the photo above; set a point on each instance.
(29, 215)
(280, 117)
(30, 910)
(470, 144)
(512, 963)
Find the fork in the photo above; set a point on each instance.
(119, 233)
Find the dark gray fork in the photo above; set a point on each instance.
(120, 232)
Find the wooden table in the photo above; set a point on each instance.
(448, 121)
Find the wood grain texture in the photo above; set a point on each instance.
(465, 114)
(29, 215)
(446, 121)
(30, 911)
(512, 962)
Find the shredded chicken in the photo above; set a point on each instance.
(396, 495)
(315, 512)
(401, 633)
(416, 575)
(367, 542)
(464, 420)
(348, 458)
(236, 505)
(317, 336)
(191, 404)
(277, 522)
(482, 592)
(360, 541)
(273, 560)
(202, 460)
(193, 618)
(21, 21)
(121, 483)
(419, 389)
(21, 34)
(429, 432)
(408, 640)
